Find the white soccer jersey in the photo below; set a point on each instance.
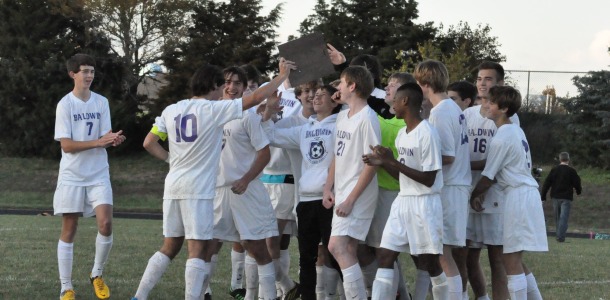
(450, 123)
(194, 133)
(279, 164)
(316, 141)
(509, 159)
(241, 140)
(83, 121)
(481, 130)
(420, 149)
(353, 136)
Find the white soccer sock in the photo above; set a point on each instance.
(455, 287)
(266, 278)
(285, 261)
(103, 244)
(533, 293)
(251, 269)
(157, 264)
(368, 272)
(194, 276)
(65, 254)
(383, 284)
(422, 282)
(353, 282)
(330, 281)
(340, 291)
(400, 280)
(465, 295)
(320, 283)
(440, 287)
(282, 278)
(517, 286)
(237, 269)
(486, 297)
(206, 285)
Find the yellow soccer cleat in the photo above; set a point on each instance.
(99, 286)
(67, 295)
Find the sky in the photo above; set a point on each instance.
(541, 35)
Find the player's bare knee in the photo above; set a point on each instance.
(386, 258)
(104, 226)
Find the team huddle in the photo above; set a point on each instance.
(357, 173)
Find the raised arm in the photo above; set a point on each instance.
(267, 90)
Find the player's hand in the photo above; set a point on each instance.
(328, 199)
(336, 57)
(239, 187)
(108, 139)
(477, 203)
(336, 97)
(272, 107)
(286, 66)
(378, 156)
(119, 139)
(344, 209)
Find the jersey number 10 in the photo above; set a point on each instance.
(182, 124)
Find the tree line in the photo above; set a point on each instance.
(127, 36)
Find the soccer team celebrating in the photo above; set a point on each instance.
(357, 173)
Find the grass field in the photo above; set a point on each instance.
(577, 269)
(137, 182)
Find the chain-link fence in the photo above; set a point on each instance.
(541, 90)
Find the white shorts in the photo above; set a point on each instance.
(291, 228)
(524, 228)
(190, 218)
(415, 224)
(282, 199)
(455, 214)
(81, 199)
(385, 198)
(350, 226)
(485, 229)
(249, 216)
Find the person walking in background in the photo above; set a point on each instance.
(562, 181)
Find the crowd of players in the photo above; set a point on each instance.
(357, 173)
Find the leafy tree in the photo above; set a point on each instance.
(461, 49)
(588, 120)
(456, 63)
(38, 37)
(477, 44)
(377, 27)
(221, 38)
(139, 31)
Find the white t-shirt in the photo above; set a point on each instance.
(279, 164)
(481, 131)
(83, 121)
(509, 159)
(420, 149)
(315, 141)
(353, 136)
(450, 123)
(194, 130)
(241, 140)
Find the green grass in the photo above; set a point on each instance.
(29, 183)
(137, 182)
(576, 269)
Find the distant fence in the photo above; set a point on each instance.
(535, 85)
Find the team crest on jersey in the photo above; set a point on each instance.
(280, 115)
(317, 151)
